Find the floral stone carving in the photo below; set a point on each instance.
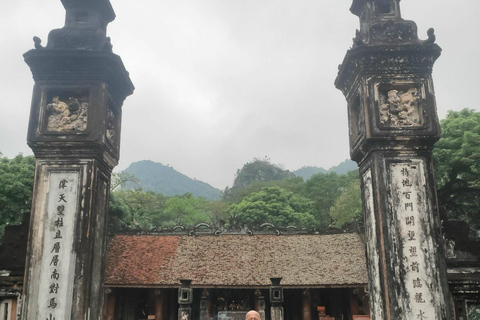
(69, 115)
(400, 109)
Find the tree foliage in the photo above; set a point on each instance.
(348, 205)
(16, 185)
(275, 205)
(457, 166)
(120, 179)
(323, 190)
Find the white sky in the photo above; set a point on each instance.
(219, 82)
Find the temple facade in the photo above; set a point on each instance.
(229, 274)
(220, 275)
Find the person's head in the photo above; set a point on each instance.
(252, 315)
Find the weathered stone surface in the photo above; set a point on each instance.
(386, 79)
(74, 131)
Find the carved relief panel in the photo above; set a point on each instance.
(399, 105)
(66, 111)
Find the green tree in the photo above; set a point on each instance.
(348, 206)
(236, 195)
(135, 208)
(184, 210)
(16, 185)
(457, 166)
(120, 179)
(323, 189)
(275, 205)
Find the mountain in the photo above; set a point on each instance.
(156, 177)
(307, 172)
(342, 168)
(259, 170)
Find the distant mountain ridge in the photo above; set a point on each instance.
(342, 168)
(156, 177)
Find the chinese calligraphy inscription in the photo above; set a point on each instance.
(57, 269)
(410, 216)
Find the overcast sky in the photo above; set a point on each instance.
(219, 82)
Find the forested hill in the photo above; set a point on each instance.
(156, 177)
(342, 168)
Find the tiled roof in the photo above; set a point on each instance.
(236, 260)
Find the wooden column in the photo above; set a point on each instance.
(353, 298)
(110, 304)
(159, 310)
(306, 305)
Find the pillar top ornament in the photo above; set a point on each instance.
(381, 23)
(85, 27)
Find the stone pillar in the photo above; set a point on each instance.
(386, 79)
(185, 299)
(306, 305)
(74, 131)
(159, 295)
(276, 299)
(204, 305)
(260, 304)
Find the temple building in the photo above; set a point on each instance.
(230, 274)
(215, 274)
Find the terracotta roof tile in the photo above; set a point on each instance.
(236, 260)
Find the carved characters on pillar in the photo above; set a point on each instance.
(400, 108)
(67, 113)
(56, 273)
(410, 209)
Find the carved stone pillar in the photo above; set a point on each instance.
(306, 305)
(276, 299)
(386, 79)
(185, 299)
(74, 131)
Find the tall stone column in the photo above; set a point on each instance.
(386, 78)
(74, 131)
